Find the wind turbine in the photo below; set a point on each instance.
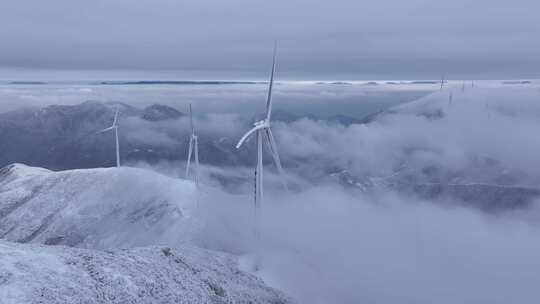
(262, 133)
(115, 128)
(193, 148)
(442, 82)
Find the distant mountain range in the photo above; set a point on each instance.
(177, 82)
(64, 137)
(286, 117)
(135, 82)
(241, 82)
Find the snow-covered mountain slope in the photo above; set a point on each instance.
(32, 273)
(94, 208)
(112, 215)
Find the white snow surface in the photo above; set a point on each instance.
(95, 208)
(31, 273)
(123, 223)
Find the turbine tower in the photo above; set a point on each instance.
(263, 133)
(115, 128)
(193, 149)
(442, 82)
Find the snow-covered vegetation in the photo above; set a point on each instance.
(58, 274)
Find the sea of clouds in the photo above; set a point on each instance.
(323, 243)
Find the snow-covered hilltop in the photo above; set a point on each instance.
(112, 215)
(94, 208)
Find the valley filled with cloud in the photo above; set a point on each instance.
(397, 192)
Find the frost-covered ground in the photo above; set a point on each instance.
(95, 208)
(109, 213)
(58, 274)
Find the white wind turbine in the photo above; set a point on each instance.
(264, 133)
(193, 149)
(115, 128)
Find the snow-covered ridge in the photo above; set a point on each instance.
(131, 230)
(58, 274)
(94, 208)
(15, 171)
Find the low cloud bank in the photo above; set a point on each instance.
(327, 246)
(479, 135)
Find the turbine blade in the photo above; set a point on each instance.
(189, 156)
(245, 137)
(271, 84)
(116, 116)
(191, 120)
(273, 150)
(105, 130)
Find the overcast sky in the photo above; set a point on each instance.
(319, 39)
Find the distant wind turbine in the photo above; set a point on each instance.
(193, 149)
(442, 82)
(115, 128)
(264, 133)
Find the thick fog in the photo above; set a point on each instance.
(326, 246)
(494, 124)
(324, 243)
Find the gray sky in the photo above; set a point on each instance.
(318, 39)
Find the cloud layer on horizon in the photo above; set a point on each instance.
(386, 39)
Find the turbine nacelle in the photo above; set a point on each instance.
(259, 125)
(265, 123)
